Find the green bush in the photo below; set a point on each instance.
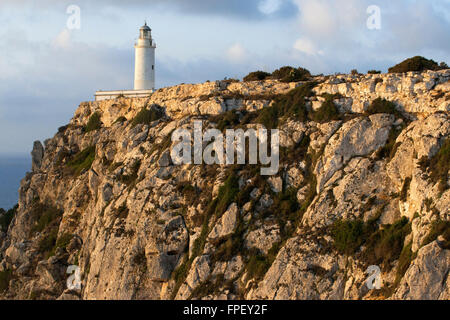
(257, 266)
(46, 215)
(48, 242)
(404, 261)
(64, 240)
(385, 245)
(380, 105)
(348, 236)
(268, 117)
(147, 116)
(257, 76)
(417, 64)
(290, 105)
(5, 277)
(438, 166)
(94, 123)
(227, 193)
(327, 112)
(286, 206)
(374, 72)
(130, 179)
(290, 74)
(390, 148)
(6, 217)
(226, 120)
(82, 161)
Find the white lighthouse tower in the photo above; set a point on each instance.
(144, 70)
(144, 73)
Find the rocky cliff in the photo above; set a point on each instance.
(363, 181)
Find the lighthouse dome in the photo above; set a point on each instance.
(145, 27)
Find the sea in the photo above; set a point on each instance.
(12, 171)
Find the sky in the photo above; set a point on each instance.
(47, 69)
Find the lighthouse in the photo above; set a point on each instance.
(144, 70)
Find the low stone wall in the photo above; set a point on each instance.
(110, 95)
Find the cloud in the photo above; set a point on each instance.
(339, 29)
(63, 39)
(248, 9)
(269, 6)
(237, 53)
(305, 45)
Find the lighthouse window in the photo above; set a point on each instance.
(153, 67)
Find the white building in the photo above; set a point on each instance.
(144, 70)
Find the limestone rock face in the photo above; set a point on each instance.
(226, 224)
(358, 137)
(263, 238)
(414, 92)
(37, 155)
(112, 202)
(430, 267)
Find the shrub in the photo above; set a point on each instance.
(289, 105)
(6, 218)
(5, 277)
(46, 215)
(227, 193)
(122, 211)
(94, 123)
(47, 243)
(63, 129)
(189, 192)
(390, 148)
(256, 76)
(147, 116)
(385, 245)
(290, 74)
(417, 64)
(268, 117)
(286, 206)
(82, 161)
(327, 112)
(374, 72)
(438, 166)
(380, 105)
(63, 241)
(226, 120)
(354, 72)
(348, 236)
(404, 261)
(257, 266)
(130, 179)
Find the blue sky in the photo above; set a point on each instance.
(46, 70)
